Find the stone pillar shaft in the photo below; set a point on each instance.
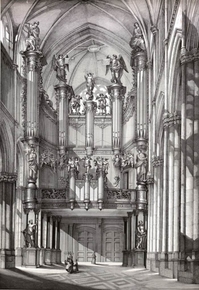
(165, 188)
(196, 163)
(171, 189)
(176, 186)
(62, 93)
(89, 142)
(117, 92)
(72, 183)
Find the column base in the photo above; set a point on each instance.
(54, 256)
(7, 259)
(19, 257)
(58, 256)
(175, 266)
(48, 257)
(42, 256)
(31, 257)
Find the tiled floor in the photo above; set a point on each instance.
(101, 276)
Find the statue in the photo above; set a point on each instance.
(32, 40)
(137, 41)
(141, 236)
(141, 164)
(87, 163)
(101, 106)
(62, 160)
(116, 66)
(75, 105)
(59, 64)
(117, 181)
(101, 164)
(32, 162)
(117, 160)
(108, 104)
(89, 85)
(73, 163)
(29, 234)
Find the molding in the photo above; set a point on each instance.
(173, 18)
(190, 56)
(8, 177)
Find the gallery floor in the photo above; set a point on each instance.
(102, 276)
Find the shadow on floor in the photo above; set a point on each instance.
(19, 279)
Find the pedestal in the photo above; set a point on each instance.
(48, 256)
(58, 257)
(139, 258)
(31, 257)
(54, 256)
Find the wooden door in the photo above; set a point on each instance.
(112, 246)
(85, 246)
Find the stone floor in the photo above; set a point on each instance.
(102, 276)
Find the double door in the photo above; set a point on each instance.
(85, 246)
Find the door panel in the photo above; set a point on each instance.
(85, 246)
(112, 246)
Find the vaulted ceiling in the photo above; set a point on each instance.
(86, 30)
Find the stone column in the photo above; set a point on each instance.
(63, 94)
(87, 179)
(72, 185)
(58, 258)
(54, 229)
(89, 142)
(101, 175)
(176, 185)
(170, 187)
(90, 109)
(196, 163)
(129, 233)
(32, 85)
(117, 93)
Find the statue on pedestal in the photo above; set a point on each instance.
(141, 164)
(89, 84)
(117, 66)
(33, 165)
(29, 234)
(32, 40)
(60, 64)
(137, 40)
(87, 163)
(141, 236)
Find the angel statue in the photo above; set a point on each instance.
(116, 66)
(33, 31)
(59, 64)
(89, 84)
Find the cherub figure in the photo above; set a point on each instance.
(117, 66)
(75, 105)
(60, 64)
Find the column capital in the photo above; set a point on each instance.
(32, 59)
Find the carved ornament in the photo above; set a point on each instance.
(8, 177)
(53, 194)
(47, 158)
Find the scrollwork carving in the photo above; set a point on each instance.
(53, 194)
